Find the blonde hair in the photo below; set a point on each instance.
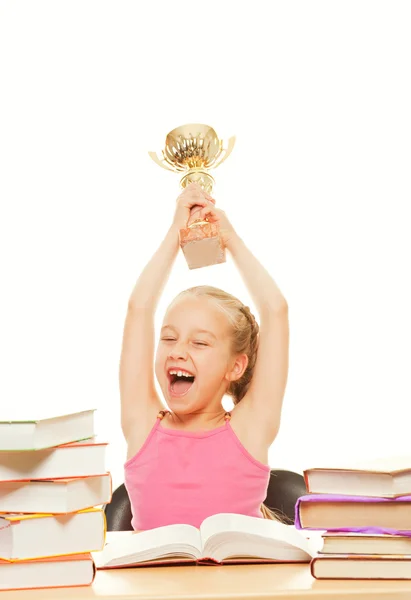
(244, 340)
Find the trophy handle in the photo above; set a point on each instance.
(226, 151)
(159, 161)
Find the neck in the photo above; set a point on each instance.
(201, 419)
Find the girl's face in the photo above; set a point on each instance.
(194, 337)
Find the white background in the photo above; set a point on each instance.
(318, 185)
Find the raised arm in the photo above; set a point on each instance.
(139, 399)
(264, 397)
(263, 401)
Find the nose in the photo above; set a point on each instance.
(177, 352)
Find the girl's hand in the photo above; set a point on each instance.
(214, 215)
(191, 200)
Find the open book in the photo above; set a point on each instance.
(223, 538)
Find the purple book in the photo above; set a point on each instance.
(345, 499)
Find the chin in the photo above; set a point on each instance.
(179, 407)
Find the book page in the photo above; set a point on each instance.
(231, 522)
(147, 544)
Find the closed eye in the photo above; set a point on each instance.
(172, 339)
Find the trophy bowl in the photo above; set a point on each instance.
(194, 148)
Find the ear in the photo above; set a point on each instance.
(238, 368)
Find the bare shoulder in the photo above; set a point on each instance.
(252, 430)
(139, 428)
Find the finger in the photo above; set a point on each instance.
(205, 214)
(197, 202)
(210, 198)
(194, 187)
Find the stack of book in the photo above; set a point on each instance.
(365, 516)
(53, 483)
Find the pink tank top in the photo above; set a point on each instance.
(186, 476)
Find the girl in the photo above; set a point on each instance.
(196, 460)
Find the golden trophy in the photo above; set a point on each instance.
(193, 150)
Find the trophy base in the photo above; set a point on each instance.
(202, 246)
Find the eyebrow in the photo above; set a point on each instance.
(197, 330)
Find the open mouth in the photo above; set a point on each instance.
(179, 385)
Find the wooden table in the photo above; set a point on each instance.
(229, 582)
